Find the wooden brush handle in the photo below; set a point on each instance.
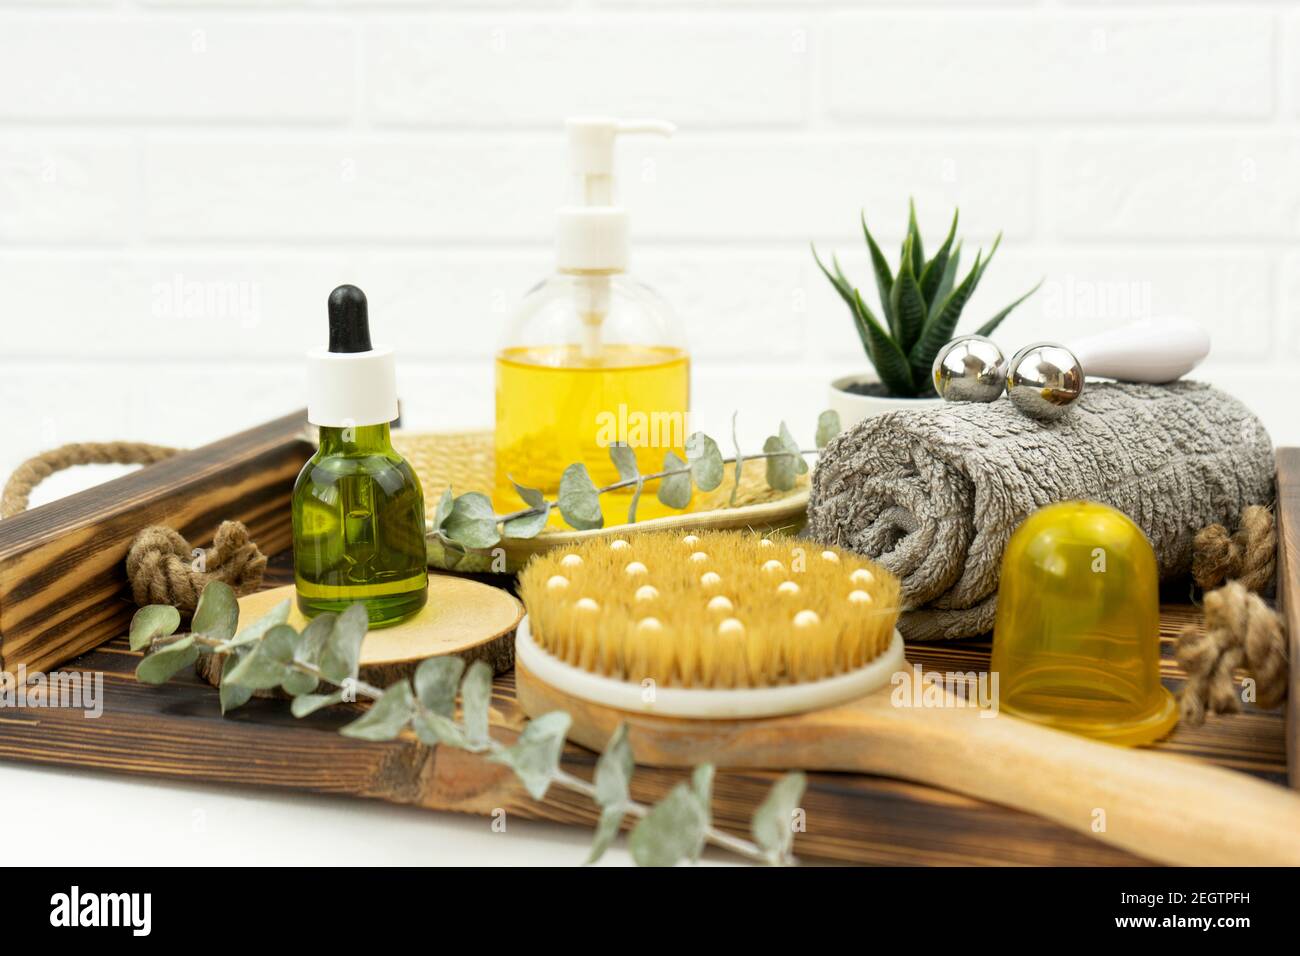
(1159, 806)
(1166, 808)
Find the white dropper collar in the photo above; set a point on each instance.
(592, 234)
(352, 383)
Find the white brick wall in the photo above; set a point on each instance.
(183, 181)
(1040, 65)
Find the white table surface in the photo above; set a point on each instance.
(208, 825)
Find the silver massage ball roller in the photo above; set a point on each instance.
(1044, 380)
(970, 368)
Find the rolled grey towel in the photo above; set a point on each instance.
(934, 494)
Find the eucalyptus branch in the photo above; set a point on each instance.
(560, 778)
(469, 521)
(718, 838)
(270, 653)
(656, 476)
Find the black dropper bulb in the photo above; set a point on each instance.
(349, 320)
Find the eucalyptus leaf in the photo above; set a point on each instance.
(152, 622)
(773, 823)
(828, 426)
(217, 613)
(387, 717)
(434, 729)
(532, 497)
(257, 630)
(636, 500)
(578, 500)
(613, 776)
(672, 831)
(614, 769)
(675, 489)
(624, 459)
(702, 785)
(160, 666)
(611, 818)
(436, 680)
(444, 553)
(299, 683)
(475, 703)
(740, 463)
(313, 639)
(472, 522)
(232, 696)
(340, 658)
(783, 469)
(706, 461)
(443, 510)
(529, 525)
(278, 643)
(535, 756)
(780, 467)
(792, 446)
(263, 665)
(310, 703)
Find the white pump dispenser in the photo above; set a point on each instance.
(591, 239)
(592, 234)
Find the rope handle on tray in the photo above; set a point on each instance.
(19, 487)
(160, 564)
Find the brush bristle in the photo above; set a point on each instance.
(712, 609)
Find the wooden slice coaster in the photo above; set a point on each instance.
(473, 621)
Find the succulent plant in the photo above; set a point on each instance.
(921, 303)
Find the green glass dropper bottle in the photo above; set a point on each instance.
(358, 510)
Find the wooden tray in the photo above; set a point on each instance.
(176, 731)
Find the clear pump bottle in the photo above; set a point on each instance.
(591, 357)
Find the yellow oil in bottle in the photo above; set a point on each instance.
(556, 406)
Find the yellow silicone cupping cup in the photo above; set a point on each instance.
(1076, 644)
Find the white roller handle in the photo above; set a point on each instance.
(1153, 350)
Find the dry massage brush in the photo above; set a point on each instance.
(724, 648)
(1044, 379)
